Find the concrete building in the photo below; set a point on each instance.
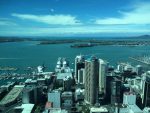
(124, 67)
(129, 98)
(65, 80)
(115, 91)
(30, 95)
(129, 104)
(102, 77)
(146, 90)
(79, 64)
(129, 109)
(91, 80)
(55, 99)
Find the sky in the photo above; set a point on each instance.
(74, 17)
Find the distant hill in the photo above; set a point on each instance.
(13, 39)
(9, 39)
(144, 37)
(20, 39)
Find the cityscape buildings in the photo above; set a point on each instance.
(93, 87)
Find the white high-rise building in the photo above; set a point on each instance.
(102, 76)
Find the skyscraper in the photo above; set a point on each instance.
(116, 91)
(146, 90)
(79, 64)
(91, 79)
(102, 77)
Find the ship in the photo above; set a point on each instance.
(82, 45)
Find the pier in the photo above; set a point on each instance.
(143, 59)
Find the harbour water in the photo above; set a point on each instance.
(29, 54)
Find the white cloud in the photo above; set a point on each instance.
(50, 19)
(139, 15)
(63, 31)
(6, 22)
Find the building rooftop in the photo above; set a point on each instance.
(30, 81)
(45, 73)
(12, 95)
(66, 94)
(57, 110)
(48, 105)
(64, 76)
(98, 109)
(135, 109)
(27, 108)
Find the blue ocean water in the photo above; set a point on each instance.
(25, 54)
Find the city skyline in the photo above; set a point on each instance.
(74, 18)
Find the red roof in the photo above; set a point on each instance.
(48, 105)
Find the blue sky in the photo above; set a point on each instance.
(74, 17)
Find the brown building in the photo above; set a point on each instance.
(91, 80)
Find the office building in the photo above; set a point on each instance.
(129, 104)
(102, 77)
(129, 98)
(29, 95)
(115, 91)
(67, 100)
(146, 90)
(79, 64)
(65, 80)
(55, 99)
(91, 80)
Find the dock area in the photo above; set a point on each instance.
(142, 59)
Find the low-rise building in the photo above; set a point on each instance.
(24, 108)
(12, 97)
(55, 98)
